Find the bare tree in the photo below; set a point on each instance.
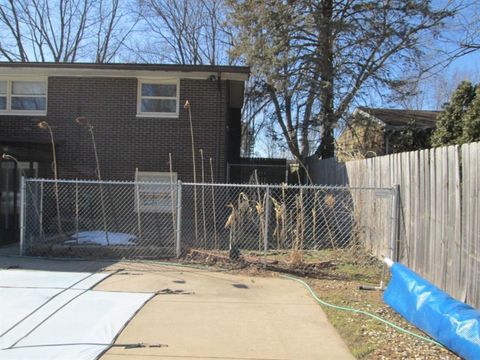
(316, 58)
(185, 32)
(466, 29)
(114, 26)
(63, 30)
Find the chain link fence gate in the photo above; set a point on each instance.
(309, 230)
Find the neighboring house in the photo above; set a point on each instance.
(138, 115)
(374, 132)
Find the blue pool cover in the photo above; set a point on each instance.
(452, 323)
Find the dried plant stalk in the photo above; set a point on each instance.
(231, 225)
(172, 197)
(331, 235)
(44, 125)
(280, 219)
(260, 208)
(192, 138)
(83, 121)
(102, 199)
(203, 202)
(314, 216)
(235, 220)
(297, 246)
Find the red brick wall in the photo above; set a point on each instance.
(124, 141)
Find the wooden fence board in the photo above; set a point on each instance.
(470, 222)
(439, 224)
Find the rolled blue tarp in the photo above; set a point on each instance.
(452, 323)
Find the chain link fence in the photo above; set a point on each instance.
(309, 230)
(306, 230)
(99, 219)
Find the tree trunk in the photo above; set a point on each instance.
(327, 116)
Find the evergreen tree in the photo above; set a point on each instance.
(471, 120)
(412, 137)
(449, 129)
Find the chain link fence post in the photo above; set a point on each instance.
(178, 248)
(267, 222)
(40, 215)
(22, 215)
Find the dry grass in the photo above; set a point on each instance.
(366, 337)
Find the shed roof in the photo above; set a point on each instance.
(400, 117)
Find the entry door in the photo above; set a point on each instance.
(8, 202)
(10, 176)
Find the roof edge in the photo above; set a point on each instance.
(129, 66)
(366, 109)
(226, 72)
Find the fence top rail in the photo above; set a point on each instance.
(260, 165)
(288, 186)
(167, 183)
(107, 182)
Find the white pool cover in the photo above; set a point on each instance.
(102, 238)
(55, 315)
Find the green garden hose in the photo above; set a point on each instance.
(356, 311)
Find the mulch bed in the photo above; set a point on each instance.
(310, 269)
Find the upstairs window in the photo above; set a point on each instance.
(23, 97)
(29, 95)
(157, 98)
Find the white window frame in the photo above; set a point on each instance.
(9, 111)
(140, 82)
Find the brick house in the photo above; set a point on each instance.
(137, 113)
(376, 131)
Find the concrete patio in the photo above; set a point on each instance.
(201, 314)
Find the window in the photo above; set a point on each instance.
(3, 95)
(29, 95)
(157, 98)
(23, 97)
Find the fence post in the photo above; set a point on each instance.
(178, 249)
(267, 221)
(137, 204)
(77, 212)
(22, 216)
(40, 215)
(394, 227)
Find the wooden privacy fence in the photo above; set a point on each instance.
(439, 230)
